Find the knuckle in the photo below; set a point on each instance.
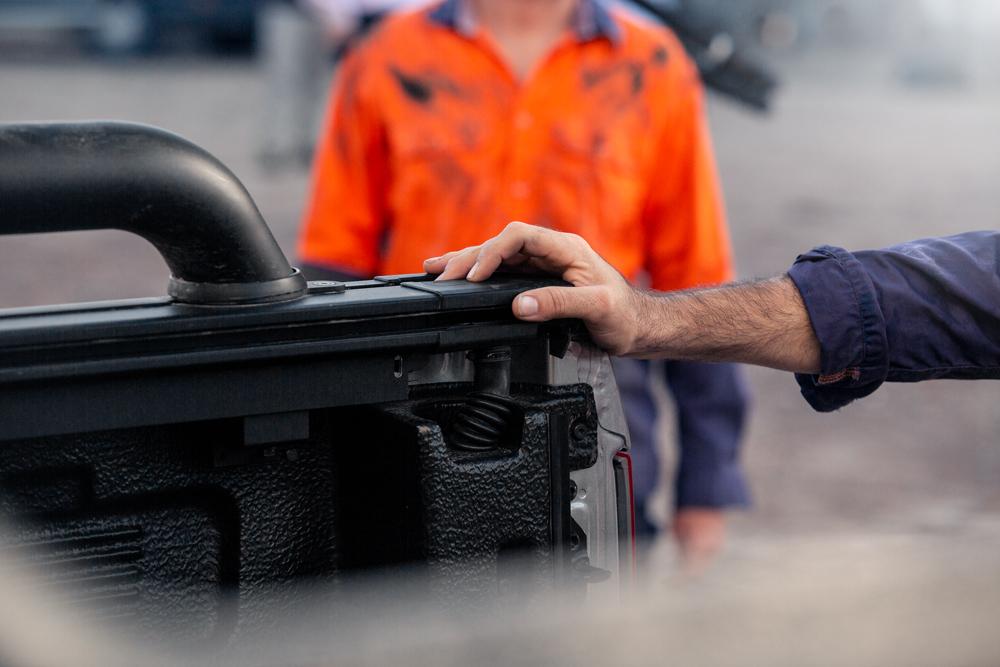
(556, 300)
(515, 225)
(579, 243)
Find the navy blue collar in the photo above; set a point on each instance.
(592, 20)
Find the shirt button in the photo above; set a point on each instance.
(523, 120)
(520, 189)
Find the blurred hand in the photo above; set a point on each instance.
(601, 297)
(700, 535)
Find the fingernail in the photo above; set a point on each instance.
(527, 306)
(431, 259)
(472, 271)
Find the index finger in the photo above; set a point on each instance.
(553, 251)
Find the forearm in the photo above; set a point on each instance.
(844, 322)
(764, 323)
(917, 311)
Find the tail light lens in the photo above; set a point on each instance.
(626, 516)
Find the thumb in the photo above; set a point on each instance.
(551, 303)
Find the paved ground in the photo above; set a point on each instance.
(848, 158)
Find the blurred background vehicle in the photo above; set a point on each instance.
(131, 27)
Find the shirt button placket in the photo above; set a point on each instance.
(520, 188)
(523, 120)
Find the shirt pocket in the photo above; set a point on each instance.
(611, 146)
(415, 142)
(437, 172)
(600, 165)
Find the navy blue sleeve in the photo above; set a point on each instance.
(917, 311)
(712, 405)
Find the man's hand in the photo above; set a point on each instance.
(601, 297)
(762, 322)
(700, 535)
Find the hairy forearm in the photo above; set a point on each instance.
(764, 323)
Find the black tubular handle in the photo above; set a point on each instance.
(58, 177)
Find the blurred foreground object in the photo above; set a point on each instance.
(889, 600)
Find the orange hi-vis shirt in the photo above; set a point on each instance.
(432, 144)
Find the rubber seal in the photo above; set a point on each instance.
(288, 288)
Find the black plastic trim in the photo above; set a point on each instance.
(119, 364)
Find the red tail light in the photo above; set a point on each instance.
(626, 515)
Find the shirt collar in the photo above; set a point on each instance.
(592, 20)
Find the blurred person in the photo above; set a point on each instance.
(453, 118)
(295, 58)
(345, 21)
(299, 44)
(844, 322)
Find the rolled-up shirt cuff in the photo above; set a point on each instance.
(844, 310)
